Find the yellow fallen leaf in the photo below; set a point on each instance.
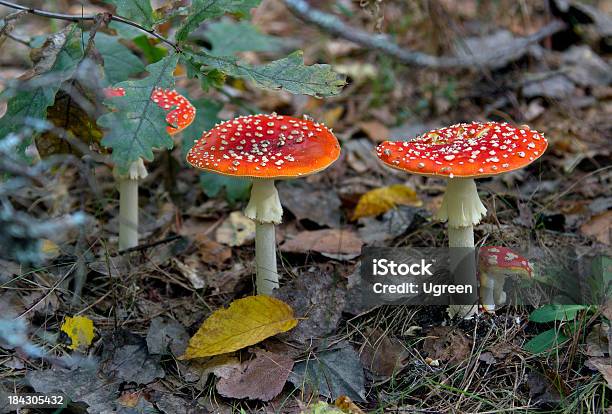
(383, 199)
(50, 249)
(321, 407)
(347, 405)
(331, 116)
(246, 322)
(80, 330)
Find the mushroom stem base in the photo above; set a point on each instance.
(265, 257)
(128, 213)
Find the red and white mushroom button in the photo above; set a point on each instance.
(265, 148)
(495, 263)
(181, 112)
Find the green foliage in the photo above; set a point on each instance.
(202, 10)
(137, 125)
(227, 38)
(552, 338)
(137, 10)
(550, 313)
(236, 189)
(151, 52)
(546, 341)
(57, 61)
(288, 74)
(119, 61)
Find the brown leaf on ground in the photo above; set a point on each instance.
(212, 252)
(377, 131)
(447, 343)
(541, 390)
(335, 242)
(599, 227)
(596, 344)
(382, 355)
(603, 365)
(261, 378)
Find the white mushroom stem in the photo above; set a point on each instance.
(265, 209)
(462, 208)
(487, 291)
(128, 204)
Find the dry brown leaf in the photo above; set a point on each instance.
(596, 344)
(599, 226)
(382, 355)
(328, 242)
(447, 343)
(603, 365)
(377, 131)
(261, 378)
(212, 252)
(331, 116)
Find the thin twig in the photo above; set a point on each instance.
(87, 17)
(149, 245)
(383, 43)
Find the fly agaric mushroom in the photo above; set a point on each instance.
(461, 153)
(265, 148)
(495, 263)
(180, 115)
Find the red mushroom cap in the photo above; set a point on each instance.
(465, 150)
(265, 146)
(499, 258)
(113, 92)
(181, 116)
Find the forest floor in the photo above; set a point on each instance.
(197, 249)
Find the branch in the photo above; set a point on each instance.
(383, 43)
(87, 17)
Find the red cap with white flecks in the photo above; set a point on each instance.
(499, 258)
(468, 150)
(181, 113)
(265, 146)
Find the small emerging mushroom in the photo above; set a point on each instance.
(265, 148)
(462, 153)
(180, 115)
(495, 263)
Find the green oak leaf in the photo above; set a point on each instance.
(202, 10)
(56, 62)
(236, 189)
(119, 61)
(139, 11)
(288, 74)
(137, 125)
(227, 38)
